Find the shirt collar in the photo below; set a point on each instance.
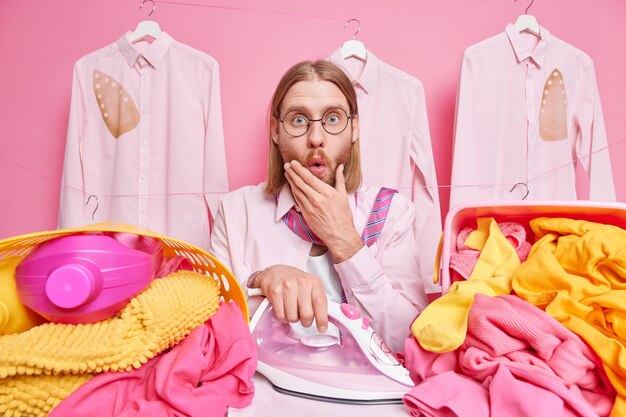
(154, 53)
(285, 202)
(521, 49)
(368, 76)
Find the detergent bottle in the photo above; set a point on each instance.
(83, 278)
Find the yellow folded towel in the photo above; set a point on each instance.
(42, 366)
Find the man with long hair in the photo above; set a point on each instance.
(311, 232)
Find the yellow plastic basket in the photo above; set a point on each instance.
(202, 261)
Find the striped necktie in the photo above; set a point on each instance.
(375, 223)
(378, 215)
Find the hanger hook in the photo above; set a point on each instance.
(153, 7)
(525, 185)
(531, 3)
(358, 30)
(93, 213)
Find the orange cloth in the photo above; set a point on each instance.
(576, 271)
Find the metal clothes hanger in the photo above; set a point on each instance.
(146, 28)
(93, 213)
(526, 22)
(528, 7)
(154, 7)
(353, 47)
(525, 185)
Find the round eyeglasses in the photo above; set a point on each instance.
(334, 121)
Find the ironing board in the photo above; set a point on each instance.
(267, 402)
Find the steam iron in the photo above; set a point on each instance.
(348, 364)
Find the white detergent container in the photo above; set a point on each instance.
(347, 364)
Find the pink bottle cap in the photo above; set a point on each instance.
(69, 286)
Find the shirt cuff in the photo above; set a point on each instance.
(360, 269)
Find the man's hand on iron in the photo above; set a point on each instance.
(295, 295)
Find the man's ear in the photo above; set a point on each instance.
(355, 127)
(274, 126)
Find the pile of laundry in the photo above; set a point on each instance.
(172, 348)
(528, 333)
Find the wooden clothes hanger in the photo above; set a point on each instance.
(147, 28)
(352, 47)
(528, 23)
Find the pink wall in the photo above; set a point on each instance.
(254, 42)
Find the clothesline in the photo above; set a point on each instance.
(244, 9)
(445, 186)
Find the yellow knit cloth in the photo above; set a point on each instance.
(42, 366)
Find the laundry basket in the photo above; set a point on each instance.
(202, 261)
(465, 215)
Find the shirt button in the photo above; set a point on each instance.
(143, 177)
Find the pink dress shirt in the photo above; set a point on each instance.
(527, 109)
(381, 280)
(396, 150)
(145, 137)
